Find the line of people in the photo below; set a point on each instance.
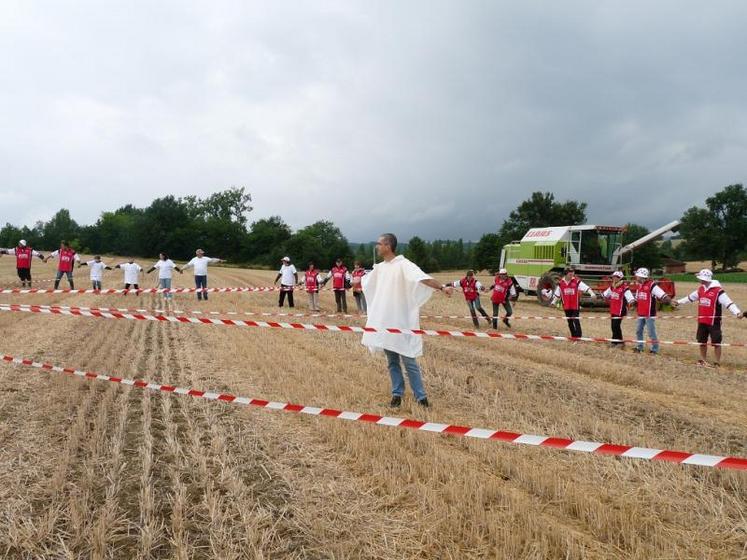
(502, 292)
(67, 257)
(313, 280)
(711, 298)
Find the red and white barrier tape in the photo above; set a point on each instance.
(110, 291)
(627, 451)
(328, 315)
(76, 312)
(34, 281)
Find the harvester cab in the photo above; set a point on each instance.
(537, 261)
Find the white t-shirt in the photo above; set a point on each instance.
(200, 264)
(287, 277)
(165, 268)
(131, 272)
(394, 293)
(97, 269)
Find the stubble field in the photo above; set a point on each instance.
(99, 470)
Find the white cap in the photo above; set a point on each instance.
(503, 271)
(285, 259)
(22, 242)
(618, 274)
(705, 275)
(642, 273)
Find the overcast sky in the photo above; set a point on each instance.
(424, 118)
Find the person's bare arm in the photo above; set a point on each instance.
(436, 285)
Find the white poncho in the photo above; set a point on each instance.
(394, 295)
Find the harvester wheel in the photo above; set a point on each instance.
(546, 287)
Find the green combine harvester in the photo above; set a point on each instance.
(538, 260)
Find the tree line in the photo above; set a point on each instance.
(177, 226)
(219, 224)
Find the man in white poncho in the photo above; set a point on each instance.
(395, 290)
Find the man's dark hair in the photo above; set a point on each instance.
(390, 239)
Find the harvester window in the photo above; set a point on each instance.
(592, 251)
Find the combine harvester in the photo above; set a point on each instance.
(538, 260)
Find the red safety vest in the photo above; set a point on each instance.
(311, 284)
(618, 306)
(501, 290)
(709, 309)
(338, 277)
(357, 275)
(469, 287)
(646, 304)
(66, 260)
(23, 257)
(569, 294)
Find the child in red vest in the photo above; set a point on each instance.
(67, 257)
(618, 295)
(311, 281)
(712, 300)
(568, 291)
(471, 288)
(340, 282)
(646, 296)
(23, 254)
(502, 291)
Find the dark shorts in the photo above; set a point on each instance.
(712, 331)
(24, 274)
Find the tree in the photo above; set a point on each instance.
(166, 227)
(541, 210)
(265, 242)
(487, 253)
(10, 235)
(230, 205)
(321, 242)
(364, 254)
(417, 252)
(719, 232)
(60, 228)
(647, 255)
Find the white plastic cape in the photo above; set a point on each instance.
(394, 294)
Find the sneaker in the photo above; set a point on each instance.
(424, 402)
(716, 365)
(703, 363)
(654, 352)
(396, 402)
(507, 322)
(637, 350)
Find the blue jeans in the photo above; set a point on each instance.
(96, 284)
(58, 277)
(165, 284)
(650, 324)
(360, 301)
(201, 284)
(413, 375)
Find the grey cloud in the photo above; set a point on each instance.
(427, 118)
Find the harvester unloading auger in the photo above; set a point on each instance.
(538, 260)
